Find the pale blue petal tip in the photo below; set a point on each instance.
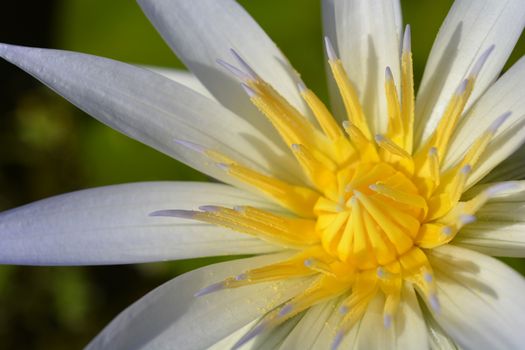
(210, 289)
(250, 335)
(337, 340)
(186, 214)
(285, 310)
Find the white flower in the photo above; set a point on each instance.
(346, 229)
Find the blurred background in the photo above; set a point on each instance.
(48, 147)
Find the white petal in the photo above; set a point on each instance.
(328, 329)
(408, 330)
(182, 77)
(500, 226)
(320, 324)
(312, 326)
(111, 225)
(229, 341)
(268, 340)
(171, 316)
(367, 36)
(330, 31)
(496, 238)
(470, 28)
(507, 94)
(438, 339)
(151, 109)
(482, 304)
(512, 168)
(372, 334)
(200, 32)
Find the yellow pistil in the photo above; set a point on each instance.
(373, 207)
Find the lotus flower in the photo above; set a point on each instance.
(372, 224)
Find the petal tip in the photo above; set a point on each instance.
(330, 52)
(185, 214)
(407, 39)
(209, 289)
(388, 74)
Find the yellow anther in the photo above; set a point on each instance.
(432, 235)
(292, 267)
(391, 147)
(318, 266)
(331, 233)
(300, 200)
(459, 184)
(399, 196)
(395, 123)
(290, 128)
(291, 232)
(364, 146)
(321, 113)
(479, 146)
(433, 165)
(384, 251)
(413, 261)
(355, 305)
(418, 271)
(407, 91)
(366, 174)
(451, 116)
(319, 169)
(354, 226)
(347, 90)
(399, 238)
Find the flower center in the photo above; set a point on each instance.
(373, 206)
(374, 219)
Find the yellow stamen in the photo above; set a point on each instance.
(395, 123)
(390, 146)
(320, 173)
(476, 150)
(364, 146)
(433, 164)
(273, 228)
(292, 128)
(296, 198)
(347, 91)
(407, 91)
(399, 196)
(322, 114)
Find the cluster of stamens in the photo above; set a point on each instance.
(373, 204)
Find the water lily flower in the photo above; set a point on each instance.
(372, 224)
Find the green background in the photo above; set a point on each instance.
(48, 147)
